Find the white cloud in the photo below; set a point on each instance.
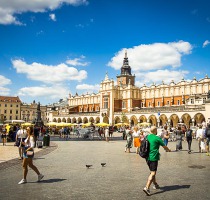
(158, 76)
(152, 56)
(52, 17)
(4, 91)
(52, 92)
(206, 43)
(8, 9)
(4, 82)
(77, 61)
(49, 73)
(88, 88)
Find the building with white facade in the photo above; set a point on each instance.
(171, 103)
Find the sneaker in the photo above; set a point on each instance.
(156, 187)
(22, 181)
(40, 177)
(146, 191)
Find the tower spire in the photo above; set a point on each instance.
(125, 69)
(126, 56)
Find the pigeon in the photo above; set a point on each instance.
(103, 164)
(88, 166)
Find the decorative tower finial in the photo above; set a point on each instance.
(106, 76)
(126, 56)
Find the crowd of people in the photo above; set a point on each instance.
(135, 135)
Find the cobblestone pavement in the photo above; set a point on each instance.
(9, 152)
(180, 175)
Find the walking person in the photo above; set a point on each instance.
(152, 161)
(207, 136)
(107, 134)
(136, 139)
(129, 136)
(188, 136)
(28, 155)
(20, 137)
(165, 135)
(199, 137)
(4, 135)
(179, 139)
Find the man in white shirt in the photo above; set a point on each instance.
(199, 136)
(20, 137)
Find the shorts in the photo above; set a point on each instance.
(207, 141)
(152, 165)
(3, 136)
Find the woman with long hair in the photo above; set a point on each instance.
(28, 155)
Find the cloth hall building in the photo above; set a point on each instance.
(182, 102)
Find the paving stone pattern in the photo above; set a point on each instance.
(180, 175)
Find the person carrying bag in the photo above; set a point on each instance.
(28, 155)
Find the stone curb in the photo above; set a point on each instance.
(15, 161)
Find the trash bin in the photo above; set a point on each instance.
(46, 140)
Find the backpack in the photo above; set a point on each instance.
(208, 132)
(189, 133)
(144, 148)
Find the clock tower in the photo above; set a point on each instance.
(125, 78)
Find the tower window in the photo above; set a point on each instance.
(123, 104)
(106, 102)
(178, 102)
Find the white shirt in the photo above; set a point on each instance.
(199, 133)
(21, 134)
(136, 133)
(106, 132)
(30, 141)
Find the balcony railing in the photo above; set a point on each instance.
(78, 114)
(167, 109)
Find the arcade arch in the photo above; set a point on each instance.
(85, 120)
(106, 120)
(97, 120)
(116, 120)
(152, 120)
(199, 118)
(142, 119)
(174, 119)
(133, 120)
(163, 120)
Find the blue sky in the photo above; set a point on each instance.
(51, 48)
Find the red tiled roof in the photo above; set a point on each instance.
(9, 99)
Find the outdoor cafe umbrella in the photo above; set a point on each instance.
(87, 124)
(121, 124)
(64, 124)
(144, 124)
(27, 124)
(51, 124)
(102, 124)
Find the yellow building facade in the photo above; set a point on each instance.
(10, 108)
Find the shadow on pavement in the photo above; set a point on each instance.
(53, 180)
(172, 187)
